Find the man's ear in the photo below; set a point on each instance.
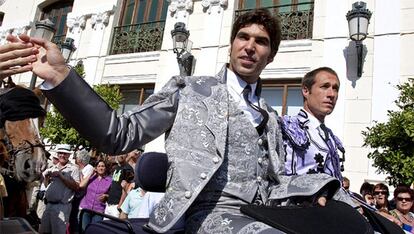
(305, 92)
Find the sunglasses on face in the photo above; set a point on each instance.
(400, 199)
(380, 192)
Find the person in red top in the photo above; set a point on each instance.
(97, 186)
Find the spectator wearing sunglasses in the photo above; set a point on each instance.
(381, 194)
(403, 196)
(382, 204)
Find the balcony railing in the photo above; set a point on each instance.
(137, 38)
(296, 20)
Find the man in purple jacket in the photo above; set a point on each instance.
(310, 146)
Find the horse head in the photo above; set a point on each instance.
(27, 157)
(28, 152)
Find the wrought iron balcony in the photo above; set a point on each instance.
(137, 38)
(296, 20)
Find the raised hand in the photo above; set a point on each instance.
(50, 64)
(16, 57)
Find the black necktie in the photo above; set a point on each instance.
(325, 131)
(264, 113)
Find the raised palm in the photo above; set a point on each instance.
(50, 62)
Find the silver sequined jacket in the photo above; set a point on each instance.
(193, 113)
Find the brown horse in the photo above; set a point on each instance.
(22, 154)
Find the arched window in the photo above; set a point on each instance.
(141, 26)
(58, 12)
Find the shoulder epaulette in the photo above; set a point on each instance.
(295, 132)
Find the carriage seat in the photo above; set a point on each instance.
(151, 171)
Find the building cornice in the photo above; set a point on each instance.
(294, 72)
(21, 28)
(180, 6)
(76, 22)
(209, 4)
(133, 58)
(130, 79)
(295, 45)
(99, 18)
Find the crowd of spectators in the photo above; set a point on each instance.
(399, 209)
(104, 184)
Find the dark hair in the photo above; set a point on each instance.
(262, 17)
(107, 169)
(366, 188)
(382, 187)
(309, 78)
(403, 189)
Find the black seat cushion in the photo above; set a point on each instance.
(137, 226)
(151, 171)
(335, 217)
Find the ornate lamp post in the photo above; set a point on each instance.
(358, 20)
(181, 48)
(44, 29)
(67, 48)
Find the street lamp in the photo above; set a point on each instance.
(358, 20)
(67, 48)
(181, 47)
(45, 29)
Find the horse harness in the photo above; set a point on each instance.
(24, 147)
(17, 103)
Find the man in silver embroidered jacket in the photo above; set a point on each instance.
(223, 142)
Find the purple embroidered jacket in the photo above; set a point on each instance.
(307, 150)
(96, 187)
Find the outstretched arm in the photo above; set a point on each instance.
(85, 110)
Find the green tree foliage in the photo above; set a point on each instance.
(393, 142)
(58, 130)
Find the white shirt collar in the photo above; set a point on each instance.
(236, 84)
(313, 123)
